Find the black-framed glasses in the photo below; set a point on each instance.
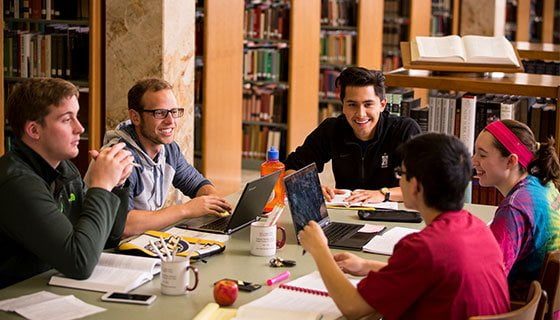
(163, 113)
(399, 172)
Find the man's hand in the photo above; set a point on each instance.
(109, 166)
(204, 205)
(368, 196)
(351, 263)
(313, 239)
(329, 192)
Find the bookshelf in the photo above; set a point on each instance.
(546, 86)
(279, 89)
(221, 93)
(403, 20)
(350, 34)
(445, 18)
(532, 20)
(82, 19)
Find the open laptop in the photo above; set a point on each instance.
(307, 203)
(248, 208)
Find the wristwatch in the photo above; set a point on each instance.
(386, 192)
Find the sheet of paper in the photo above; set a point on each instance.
(382, 205)
(64, 308)
(371, 228)
(198, 234)
(27, 300)
(385, 243)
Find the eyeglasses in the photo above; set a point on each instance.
(163, 113)
(399, 172)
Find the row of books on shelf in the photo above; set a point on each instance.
(397, 8)
(327, 83)
(465, 115)
(337, 47)
(265, 64)
(60, 53)
(258, 139)
(264, 105)
(337, 13)
(267, 20)
(327, 110)
(541, 67)
(440, 25)
(46, 9)
(485, 195)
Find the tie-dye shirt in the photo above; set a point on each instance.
(527, 226)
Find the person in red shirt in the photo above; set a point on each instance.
(452, 269)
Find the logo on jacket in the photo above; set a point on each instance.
(384, 160)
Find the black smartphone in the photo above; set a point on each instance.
(244, 285)
(134, 298)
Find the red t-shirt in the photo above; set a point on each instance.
(452, 269)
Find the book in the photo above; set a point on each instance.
(303, 298)
(385, 243)
(114, 272)
(466, 49)
(339, 202)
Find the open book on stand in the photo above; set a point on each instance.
(303, 298)
(114, 272)
(339, 202)
(466, 54)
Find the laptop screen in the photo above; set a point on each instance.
(305, 196)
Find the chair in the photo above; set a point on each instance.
(527, 312)
(550, 282)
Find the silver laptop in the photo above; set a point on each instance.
(307, 203)
(248, 208)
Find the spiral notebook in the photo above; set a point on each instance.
(303, 298)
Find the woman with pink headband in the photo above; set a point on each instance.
(527, 173)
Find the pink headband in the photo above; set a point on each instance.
(510, 141)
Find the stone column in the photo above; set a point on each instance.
(483, 18)
(151, 38)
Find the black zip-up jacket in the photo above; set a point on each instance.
(352, 168)
(48, 220)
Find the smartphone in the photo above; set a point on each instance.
(134, 298)
(244, 285)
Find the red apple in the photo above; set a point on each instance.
(225, 292)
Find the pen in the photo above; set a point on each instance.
(278, 278)
(156, 250)
(165, 249)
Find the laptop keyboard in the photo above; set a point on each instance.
(336, 231)
(219, 224)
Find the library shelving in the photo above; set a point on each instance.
(278, 89)
(403, 20)
(351, 33)
(218, 89)
(445, 18)
(532, 20)
(71, 36)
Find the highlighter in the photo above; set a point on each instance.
(279, 278)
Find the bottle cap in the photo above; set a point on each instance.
(273, 154)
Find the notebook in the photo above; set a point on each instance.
(303, 298)
(385, 243)
(248, 208)
(307, 203)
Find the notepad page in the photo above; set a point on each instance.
(385, 243)
(315, 282)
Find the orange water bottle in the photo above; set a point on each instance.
(272, 164)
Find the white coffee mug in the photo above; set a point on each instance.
(175, 276)
(263, 239)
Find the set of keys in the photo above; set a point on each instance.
(279, 263)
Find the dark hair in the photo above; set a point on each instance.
(442, 165)
(545, 164)
(30, 100)
(137, 91)
(361, 77)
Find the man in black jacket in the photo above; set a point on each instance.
(361, 143)
(49, 219)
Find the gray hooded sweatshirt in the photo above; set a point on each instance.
(149, 184)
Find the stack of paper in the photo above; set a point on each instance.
(385, 243)
(45, 305)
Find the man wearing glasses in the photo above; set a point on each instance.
(149, 135)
